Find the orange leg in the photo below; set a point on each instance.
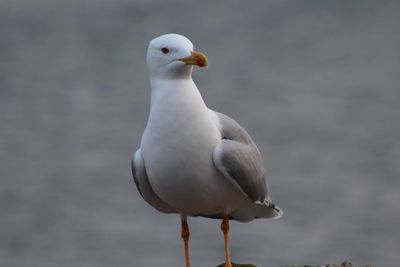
(185, 236)
(225, 230)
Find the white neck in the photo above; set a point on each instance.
(172, 94)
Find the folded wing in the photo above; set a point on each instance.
(239, 159)
(143, 185)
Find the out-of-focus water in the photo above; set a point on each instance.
(316, 83)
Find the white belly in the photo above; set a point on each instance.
(179, 162)
(177, 148)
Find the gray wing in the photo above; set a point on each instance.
(143, 185)
(239, 159)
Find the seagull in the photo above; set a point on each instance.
(194, 161)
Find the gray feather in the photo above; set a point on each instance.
(239, 159)
(135, 179)
(143, 185)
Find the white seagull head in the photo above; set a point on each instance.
(171, 56)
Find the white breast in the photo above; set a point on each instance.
(177, 148)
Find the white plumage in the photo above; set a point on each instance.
(192, 160)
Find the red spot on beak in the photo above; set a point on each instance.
(200, 63)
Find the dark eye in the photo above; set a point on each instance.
(165, 50)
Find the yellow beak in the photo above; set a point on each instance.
(196, 58)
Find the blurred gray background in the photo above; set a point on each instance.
(316, 83)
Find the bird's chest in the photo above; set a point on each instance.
(175, 142)
(177, 147)
(178, 153)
